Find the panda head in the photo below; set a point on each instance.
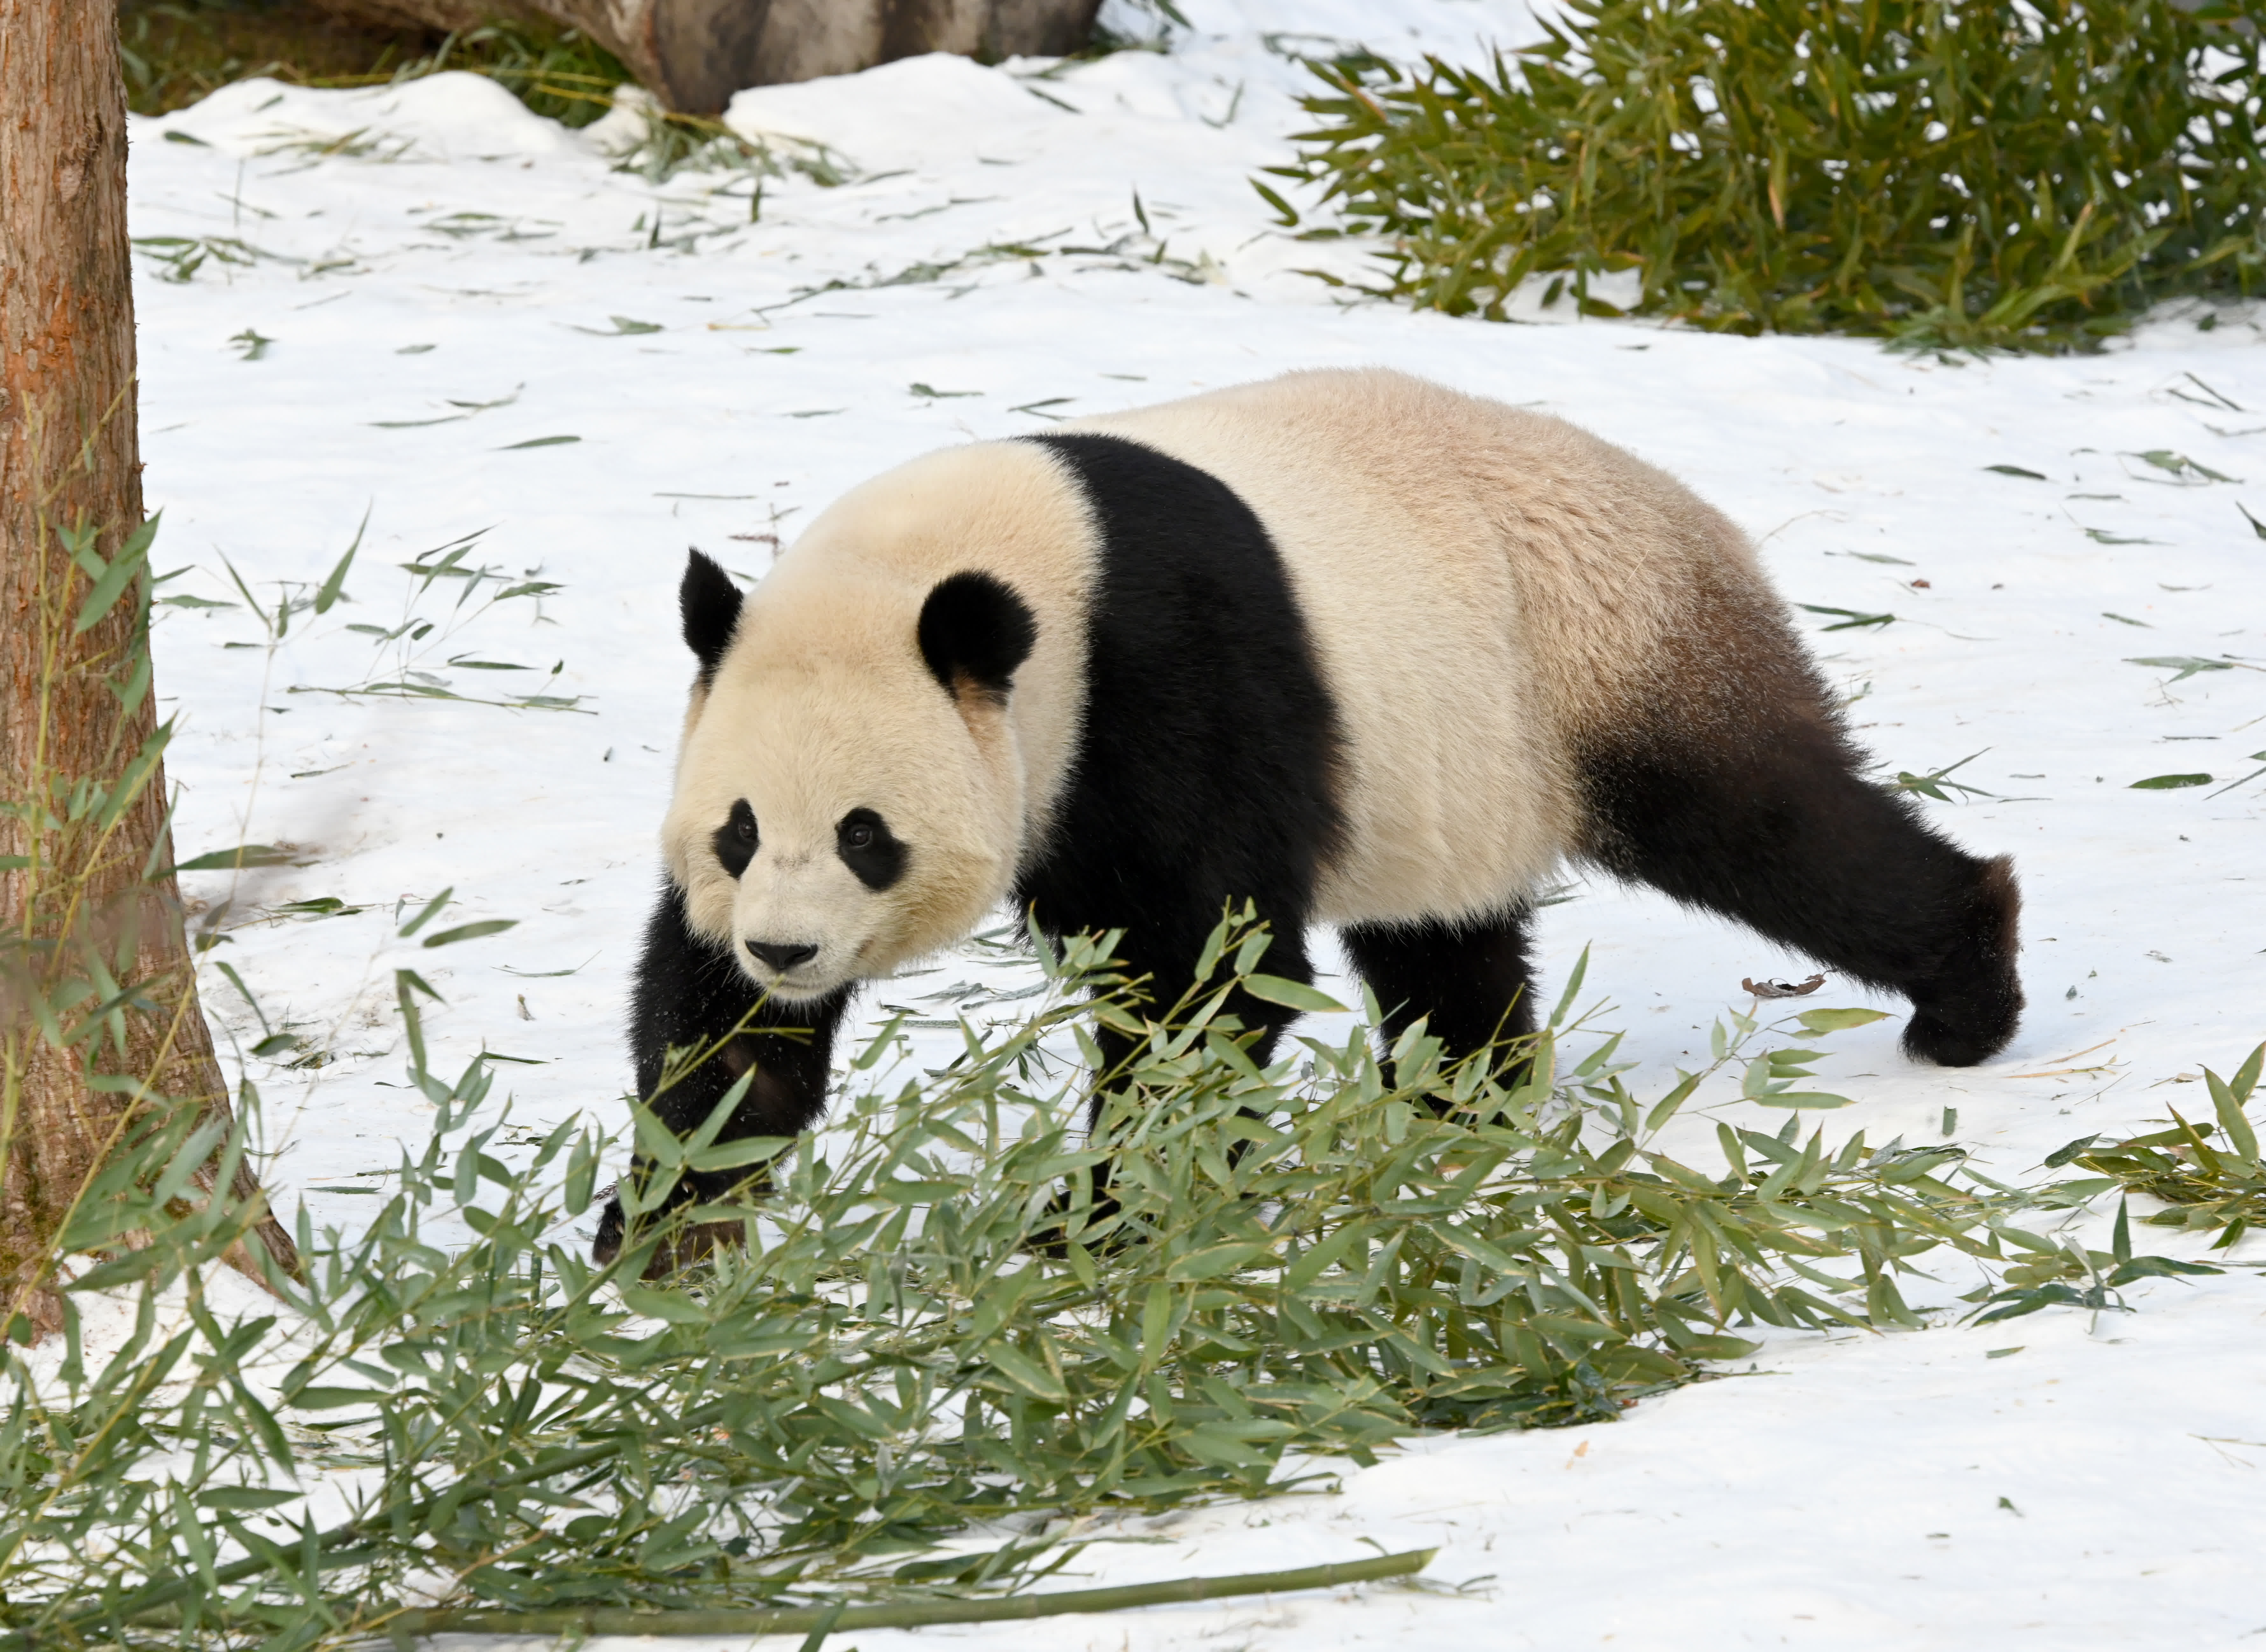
(848, 793)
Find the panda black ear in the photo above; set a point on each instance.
(975, 633)
(710, 604)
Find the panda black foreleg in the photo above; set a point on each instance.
(690, 993)
(1166, 953)
(1471, 982)
(1169, 960)
(1785, 836)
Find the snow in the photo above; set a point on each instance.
(434, 252)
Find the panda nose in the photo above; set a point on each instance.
(784, 955)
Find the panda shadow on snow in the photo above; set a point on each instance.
(1354, 648)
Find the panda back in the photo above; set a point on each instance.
(1477, 582)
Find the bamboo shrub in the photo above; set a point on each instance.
(1937, 174)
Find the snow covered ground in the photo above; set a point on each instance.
(453, 316)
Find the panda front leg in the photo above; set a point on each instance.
(1169, 962)
(691, 994)
(1165, 950)
(1779, 830)
(1470, 981)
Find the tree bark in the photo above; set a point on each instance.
(76, 707)
(693, 54)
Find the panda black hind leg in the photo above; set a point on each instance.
(1469, 981)
(691, 992)
(1733, 787)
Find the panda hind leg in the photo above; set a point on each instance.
(1784, 836)
(1471, 982)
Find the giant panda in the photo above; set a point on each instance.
(1356, 648)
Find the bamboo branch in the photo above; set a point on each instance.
(330, 1547)
(839, 1619)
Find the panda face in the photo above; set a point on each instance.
(879, 729)
(826, 834)
(790, 967)
(850, 793)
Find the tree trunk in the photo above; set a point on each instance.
(84, 925)
(693, 54)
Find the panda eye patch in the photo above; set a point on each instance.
(735, 839)
(864, 841)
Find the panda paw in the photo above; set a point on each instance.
(607, 1245)
(1962, 1029)
(682, 1243)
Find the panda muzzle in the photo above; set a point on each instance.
(784, 955)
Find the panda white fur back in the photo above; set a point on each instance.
(1360, 649)
(1481, 583)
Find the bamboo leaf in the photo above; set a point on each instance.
(2240, 1136)
(1292, 995)
(245, 855)
(2186, 665)
(334, 586)
(133, 557)
(1822, 1021)
(1025, 1373)
(471, 932)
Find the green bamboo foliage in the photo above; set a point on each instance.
(1941, 175)
(2208, 1176)
(935, 1322)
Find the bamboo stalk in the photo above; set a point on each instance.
(901, 1614)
